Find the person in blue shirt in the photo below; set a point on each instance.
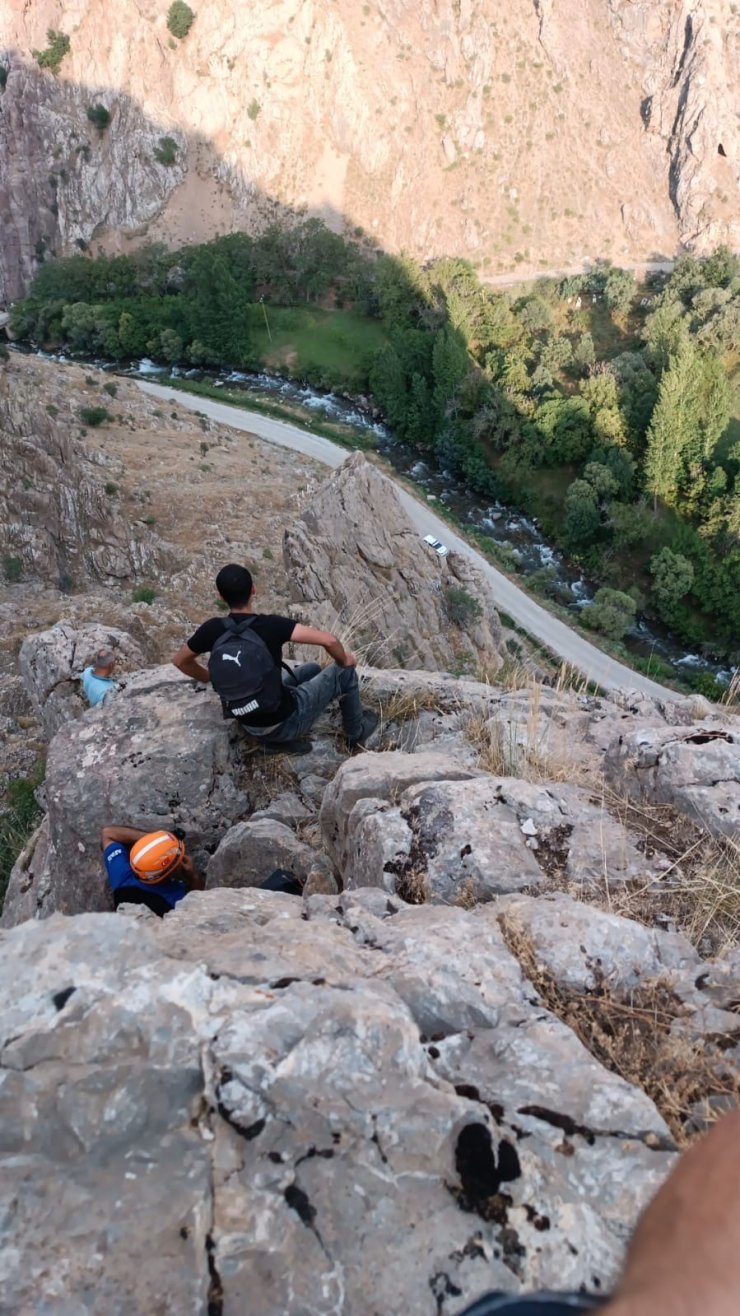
(148, 868)
(96, 680)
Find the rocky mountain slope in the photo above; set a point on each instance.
(529, 136)
(396, 1094)
(466, 1056)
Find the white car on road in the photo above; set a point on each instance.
(436, 545)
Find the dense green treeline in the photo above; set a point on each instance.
(604, 409)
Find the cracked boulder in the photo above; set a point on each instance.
(52, 662)
(157, 755)
(353, 554)
(404, 823)
(695, 768)
(584, 948)
(251, 851)
(285, 1106)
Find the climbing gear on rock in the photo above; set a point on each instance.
(156, 856)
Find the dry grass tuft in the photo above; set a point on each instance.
(536, 749)
(360, 633)
(631, 1036)
(731, 697)
(699, 893)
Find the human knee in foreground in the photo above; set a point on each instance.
(148, 868)
(684, 1259)
(272, 702)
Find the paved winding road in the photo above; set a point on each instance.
(531, 616)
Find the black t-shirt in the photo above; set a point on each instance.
(274, 631)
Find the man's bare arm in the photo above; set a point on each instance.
(187, 662)
(120, 836)
(190, 875)
(334, 647)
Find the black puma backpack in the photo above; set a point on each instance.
(243, 672)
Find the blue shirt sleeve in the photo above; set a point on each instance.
(120, 873)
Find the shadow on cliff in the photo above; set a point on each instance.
(107, 169)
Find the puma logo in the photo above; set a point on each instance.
(233, 658)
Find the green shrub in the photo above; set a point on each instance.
(144, 594)
(253, 108)
(166, 152)
(612, 612)
(12, 568)
(94, 415)
(3, 76)
(66, 583)
(180, 19)
(111, 488)
(51, 409)
(57, 48)
(4, 353)
(17, 821)
(706, 684)
(98, 115)
(110, 388)
(462, 608)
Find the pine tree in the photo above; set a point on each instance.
(674, 424)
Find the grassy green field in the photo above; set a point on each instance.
(307, 340)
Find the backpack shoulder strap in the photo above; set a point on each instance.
(236, 627)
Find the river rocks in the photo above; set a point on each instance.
(51, 663)
(262, 1094)
(158, 754)
(696, 769)
(355, 560)
(406, 824)
(251, 851)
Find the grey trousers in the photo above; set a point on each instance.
(314, 688)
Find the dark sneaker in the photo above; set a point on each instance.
(369, 723)
(287, 747)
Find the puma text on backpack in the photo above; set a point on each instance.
(243, 672)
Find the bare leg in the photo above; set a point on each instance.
(684, 1259)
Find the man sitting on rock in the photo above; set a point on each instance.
(148, 868)
(277, 706)
(97, 680)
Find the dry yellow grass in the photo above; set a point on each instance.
(699, 893)
(539, 749)
(630, 1034)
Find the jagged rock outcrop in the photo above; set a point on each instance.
(355, 561)
(56, 518)
(259, 1092)
(403, 823)
(681, 51)
(431, 128)
(158, 754)
(51, 663)
(250, 851)
(694, 768)
(584, 949)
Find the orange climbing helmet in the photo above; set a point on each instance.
(156, 856)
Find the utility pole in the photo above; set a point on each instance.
(264, 312)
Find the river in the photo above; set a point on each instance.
(518, 537)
